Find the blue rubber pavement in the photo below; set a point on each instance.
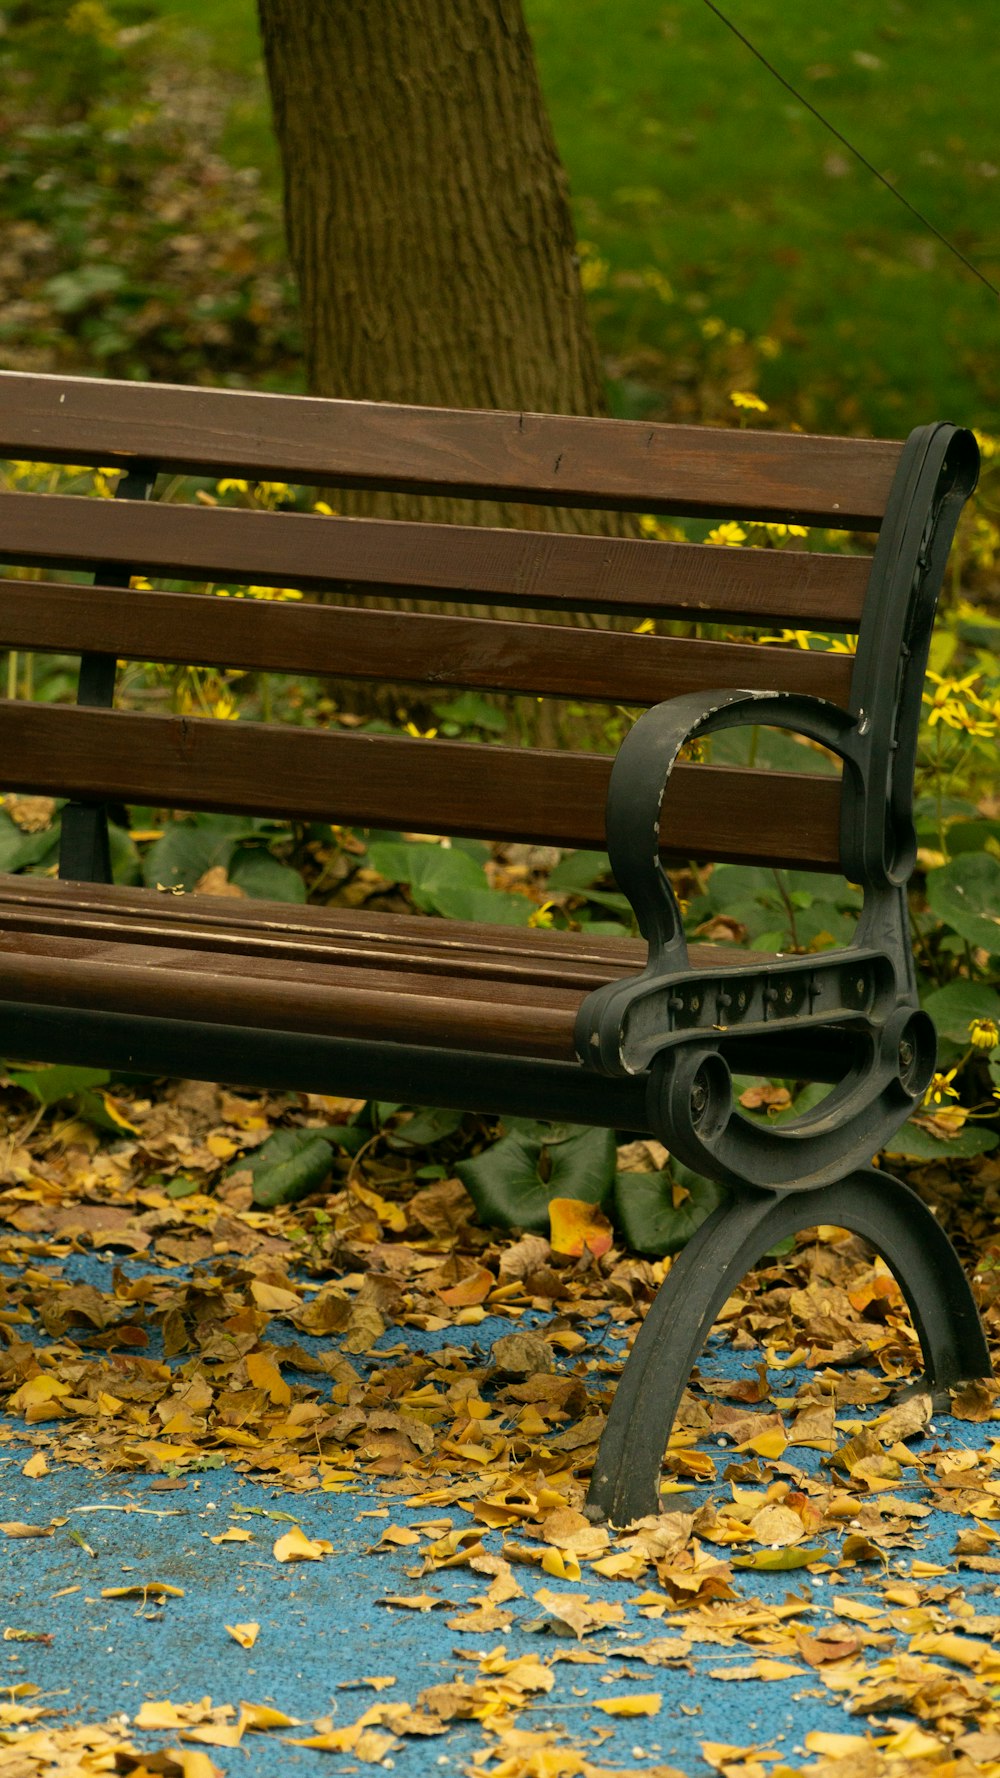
(322, 1627)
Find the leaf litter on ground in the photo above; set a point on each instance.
(229, 1331)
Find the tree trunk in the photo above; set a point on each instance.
(429, 228)
(428, 217)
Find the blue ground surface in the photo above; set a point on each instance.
(322, 1625)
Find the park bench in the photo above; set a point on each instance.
(636, 1035)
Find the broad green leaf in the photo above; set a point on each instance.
(18, 850)
(183, 1186)
(287, 1166)
(512, 1182)
(971, 836)
(965, 894)
(579, 870)
(643, 1207)
(257, 872)
(49, 1085)
(186, 851)
(429, 1124)
(446, 880)
(920, 1145)
(952, 1008)
(767, 747)
(471, 710)
(83, 1085)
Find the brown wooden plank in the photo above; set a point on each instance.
(457, 948)
(390, 781)
(563, 460)
(402, 647)
(543, 570)
(278, 995)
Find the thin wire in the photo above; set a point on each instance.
(827, 125)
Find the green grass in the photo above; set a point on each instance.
(687, 158)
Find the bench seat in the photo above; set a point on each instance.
(331, 971)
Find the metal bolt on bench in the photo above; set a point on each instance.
(639, 1036)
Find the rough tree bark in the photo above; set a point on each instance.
(428, 216)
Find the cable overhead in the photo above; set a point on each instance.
(865, 162)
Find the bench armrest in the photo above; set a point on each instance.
(848, 1015)
(641, 773)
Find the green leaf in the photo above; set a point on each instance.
(187, 850)
(579, 870)
(512, 1182)
(471, 710)
(970, 836)
(183, 1186)
(919, 1145)
(954, 1007)
(18, 850)
(49, 1085)
(768, 747)
(965, 894)
(778, 1561)
(446, 880)
(257, 872)
(287, 1166)
(429, 1124)
(643, 1207)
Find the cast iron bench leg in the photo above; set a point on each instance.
(869, 1202)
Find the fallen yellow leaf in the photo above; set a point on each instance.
(245, 1634)
(638, 1704)
(295, 1546)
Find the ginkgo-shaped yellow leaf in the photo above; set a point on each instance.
(295, 1546)
(639, 1704)
(245, 1634)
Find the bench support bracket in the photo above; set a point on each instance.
(869, 1202)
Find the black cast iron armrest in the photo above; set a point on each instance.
(848, 1015)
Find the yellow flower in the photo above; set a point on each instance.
(941, 1088)
(729, 533)
(420, 734)
(89, 18)
(543, 916)
(327, 511)
(646, 628)
(225, 707)
(768, 347)
(776, 530)
(593, 273)
(988, 445)
(984, 1034)
(746, 399)
(711, 327)
(229, 486)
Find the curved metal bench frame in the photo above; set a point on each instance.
(852, 1014)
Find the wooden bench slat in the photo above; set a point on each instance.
(404, 647)
(437, 786)
(335, 935)
(362, 1003)
(463, 562)
(562, 460)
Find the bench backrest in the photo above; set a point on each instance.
(438, 786)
